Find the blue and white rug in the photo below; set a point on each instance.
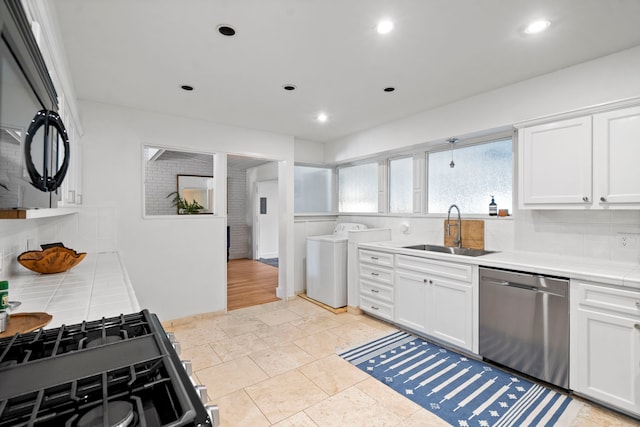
(462, 391)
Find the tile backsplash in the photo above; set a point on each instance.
(92, 229)
(603, 234)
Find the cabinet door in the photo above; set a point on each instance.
(608, 349)
(616, 152)
(410, 300)
(450, 312)
(555, 164)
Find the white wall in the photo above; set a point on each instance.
(606, 79)
(177, 265)
(267, 223)
(308, 151)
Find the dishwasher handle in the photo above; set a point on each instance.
(521, 286)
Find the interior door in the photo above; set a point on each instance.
(267, 219)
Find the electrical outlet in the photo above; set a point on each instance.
(628, 241)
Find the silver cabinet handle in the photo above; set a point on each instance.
(375, 291)
(375, 274)
(375, 308)
(424, 280)
(602, 199)
(375, 258)
(637, 326)
(638, 304)
(585, 199)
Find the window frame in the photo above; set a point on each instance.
(388, 183)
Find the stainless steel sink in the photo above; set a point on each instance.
(450, 250)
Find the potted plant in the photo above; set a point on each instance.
(183, 205)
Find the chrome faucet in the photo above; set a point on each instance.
(458, 241)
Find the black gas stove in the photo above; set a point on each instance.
(120, 371)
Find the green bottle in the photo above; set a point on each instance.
(4, 295)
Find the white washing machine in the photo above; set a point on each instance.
(327, 265)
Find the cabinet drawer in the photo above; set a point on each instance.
(376, 274)
(376, 291)
(378, 258)
(618, 300)
(378, 308)
(443, 269)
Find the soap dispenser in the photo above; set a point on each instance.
(493, 207)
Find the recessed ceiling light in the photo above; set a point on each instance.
(384, 27)
(322, 117)
(538, 26)
(289, 87)
(226, 30)
(188, 88)
(389, 89)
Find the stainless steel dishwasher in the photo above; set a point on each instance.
(524, 323)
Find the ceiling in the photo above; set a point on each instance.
(233, 162)
(243, 163)
(137, 53)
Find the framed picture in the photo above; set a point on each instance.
(197, 188)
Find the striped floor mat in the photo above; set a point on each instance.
(462, 391)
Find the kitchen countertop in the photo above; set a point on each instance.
(97, 287)
(602, 271)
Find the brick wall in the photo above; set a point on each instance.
(161, 178)
(238, 214)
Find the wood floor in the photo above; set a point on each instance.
(250, 283)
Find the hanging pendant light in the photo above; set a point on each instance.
(452, 141)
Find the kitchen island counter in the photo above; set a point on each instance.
(97, 287)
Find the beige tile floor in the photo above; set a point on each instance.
(276, 365)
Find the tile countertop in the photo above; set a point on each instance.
(97, 287)
(595, 270)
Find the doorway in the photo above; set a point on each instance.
(252, 268)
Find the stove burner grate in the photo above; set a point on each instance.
(48, 343)
(63, 376)
(147, 388)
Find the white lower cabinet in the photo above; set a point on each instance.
(438, 299)
(411, 298)
(376, 283)
(605, 344)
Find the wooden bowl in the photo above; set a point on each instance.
(51, 260)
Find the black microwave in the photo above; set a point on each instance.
(34, 146)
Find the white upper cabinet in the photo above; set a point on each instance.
(555, 163)
(616, 156)
(587, 162)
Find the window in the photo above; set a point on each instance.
(480, 171)
(401, 185)
(358, 188)
(313, 189)
(177, 182)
